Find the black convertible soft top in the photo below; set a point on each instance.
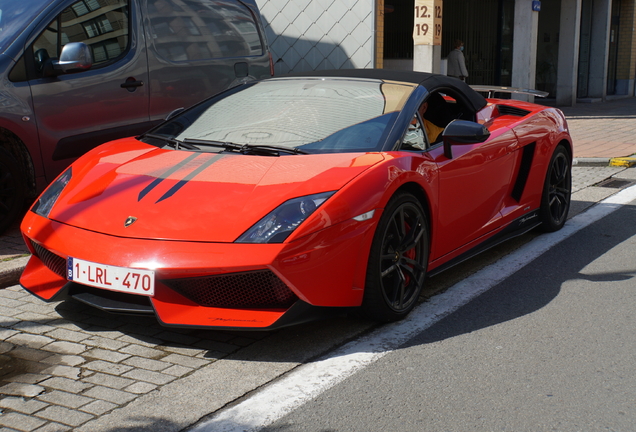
(428, 80)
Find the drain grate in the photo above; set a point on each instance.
(615, 183)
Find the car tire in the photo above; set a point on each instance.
(12, 190)
(557, 188)
(398, 260)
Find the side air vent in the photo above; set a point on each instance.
(514, 111)
(524, 171)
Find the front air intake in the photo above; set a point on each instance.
(246, 290)
(54, 262)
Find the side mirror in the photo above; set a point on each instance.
(75, 57)
(462, 132)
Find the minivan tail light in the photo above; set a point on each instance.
(271, 64)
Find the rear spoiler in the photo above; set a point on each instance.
(491, 90)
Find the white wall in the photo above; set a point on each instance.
(524, 51)
(309, 35)
(569, 38)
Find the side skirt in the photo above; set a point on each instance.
(516, 228)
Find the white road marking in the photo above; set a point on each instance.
(310, 380)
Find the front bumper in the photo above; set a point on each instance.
(222, 285)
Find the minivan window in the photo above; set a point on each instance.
(15, 16)
(100, 24)
(182, 28)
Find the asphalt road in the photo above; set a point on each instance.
(549, 348)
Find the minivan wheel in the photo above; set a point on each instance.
(12, 190)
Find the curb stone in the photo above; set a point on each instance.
(11, 270)
(581, 162)
(623, 162)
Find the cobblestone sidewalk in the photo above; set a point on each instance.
(586, 176)
(603, 130)
(65, 364)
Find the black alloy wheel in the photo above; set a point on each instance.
(555, 201)
(398, 260)
(12, 190)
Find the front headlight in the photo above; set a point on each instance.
(280, 223)
(45, 203)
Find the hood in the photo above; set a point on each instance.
(192, 196)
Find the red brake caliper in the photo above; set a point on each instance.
(410, 254)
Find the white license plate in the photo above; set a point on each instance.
(133, 281)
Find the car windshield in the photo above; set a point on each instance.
(311, 115)
(15, 15)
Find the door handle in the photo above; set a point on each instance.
(131, 84)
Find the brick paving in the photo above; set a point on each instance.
(603, 130)
(585, 176)
(63, 365)
(71, 363)
(12, 244)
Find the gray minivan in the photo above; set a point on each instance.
(77, 73)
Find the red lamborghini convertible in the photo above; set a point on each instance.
(281, 198)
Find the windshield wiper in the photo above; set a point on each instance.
(265, 150)
(290, 150)
(222, 144)
(174, 142)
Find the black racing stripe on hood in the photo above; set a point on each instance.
(189, 177)
(165, 175)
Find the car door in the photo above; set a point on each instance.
(473, 185)
(75, 112)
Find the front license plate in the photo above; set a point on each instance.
(133, 281)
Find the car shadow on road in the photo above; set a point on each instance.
(298, 343)
(149, 424)
(540, 281)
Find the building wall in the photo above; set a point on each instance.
(307, 35)
(379, 34)
(626, 64)
(335, 34)
(548, 46)
(475, 24)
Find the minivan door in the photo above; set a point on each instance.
(77, 111)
